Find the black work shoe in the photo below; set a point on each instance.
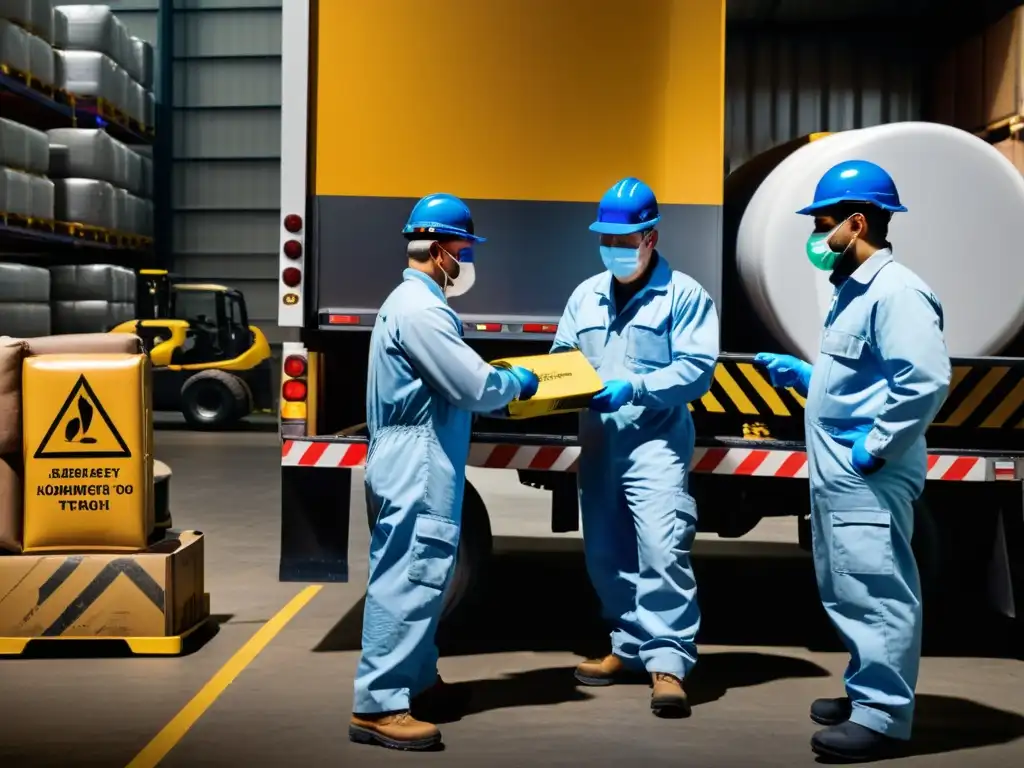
(852, 743)
(831, 711)
(442, 702)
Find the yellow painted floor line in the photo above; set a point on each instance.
(174, 731)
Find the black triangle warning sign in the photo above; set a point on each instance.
(82, 429)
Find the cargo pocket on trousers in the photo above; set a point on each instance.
(862, 542)
(434, 546)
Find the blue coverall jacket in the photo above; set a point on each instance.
(882, 374)
(424, 384)
(639, 521)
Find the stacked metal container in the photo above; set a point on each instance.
(91, 298)
(100, 181)
(26, 34)
(96, 57)
(26, 38)
(24, 300)
(26, 31)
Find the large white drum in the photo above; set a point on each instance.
(961, 234)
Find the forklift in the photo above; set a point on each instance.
(208, 362)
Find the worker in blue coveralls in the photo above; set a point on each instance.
(882, 374)
(652, 334)
(423, 387)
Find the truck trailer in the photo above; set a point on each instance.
(530, 127)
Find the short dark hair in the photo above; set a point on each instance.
(877, 219)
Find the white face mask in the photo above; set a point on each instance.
(466, 276)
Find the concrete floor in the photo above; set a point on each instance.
(767, 652)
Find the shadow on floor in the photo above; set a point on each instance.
(950, 724)
(716, 674)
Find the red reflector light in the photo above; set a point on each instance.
(540, 328)
(492, 327)
(294, 390)
(343, 319)
(293, 222)
(291, 276)
(293, 249)
(294, 365)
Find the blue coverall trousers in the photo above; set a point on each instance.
(417, 495)
(639, 524)
(868, 578)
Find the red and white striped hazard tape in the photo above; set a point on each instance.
(752, 462)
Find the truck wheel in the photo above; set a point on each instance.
(214, 400)
(473, 556)
(471, 563)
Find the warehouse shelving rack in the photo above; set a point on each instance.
(27, 101)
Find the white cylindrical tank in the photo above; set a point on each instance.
(965, 203)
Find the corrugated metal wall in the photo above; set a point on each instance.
(227, 108)
(784, 84)
(226, 142)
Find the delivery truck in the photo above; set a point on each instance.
(530, 125)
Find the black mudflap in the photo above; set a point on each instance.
(314, 524)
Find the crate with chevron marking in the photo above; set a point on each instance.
(156, 593)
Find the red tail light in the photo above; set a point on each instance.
(293, 249)
(293, 222)
(291, 276)
(540, 328)
(343, 319)
(294, 390)
(294, 366)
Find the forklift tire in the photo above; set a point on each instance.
(214, 400)
(474, 554)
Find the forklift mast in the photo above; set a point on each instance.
(153, 294)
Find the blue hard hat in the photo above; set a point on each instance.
(855, 181)
(441, 214)
(630, 206)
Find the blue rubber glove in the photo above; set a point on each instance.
(528, 381)
(786, 371)
(864, 462)
(614, 395)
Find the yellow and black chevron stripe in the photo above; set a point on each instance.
(986, 395)
(741, 388)
(984, 409)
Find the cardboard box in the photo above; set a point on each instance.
(155, 593)
(567, 382)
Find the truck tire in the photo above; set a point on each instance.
(474, 556)
(214, 400)
(471, 562)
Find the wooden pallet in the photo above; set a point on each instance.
(39, 86)
(27, 222)
(29, 81)
(87, 232)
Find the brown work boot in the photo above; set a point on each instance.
(606, 671)
(668, 699)
(395, 731)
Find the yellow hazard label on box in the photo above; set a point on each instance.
(567, 382)
(88, 461)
